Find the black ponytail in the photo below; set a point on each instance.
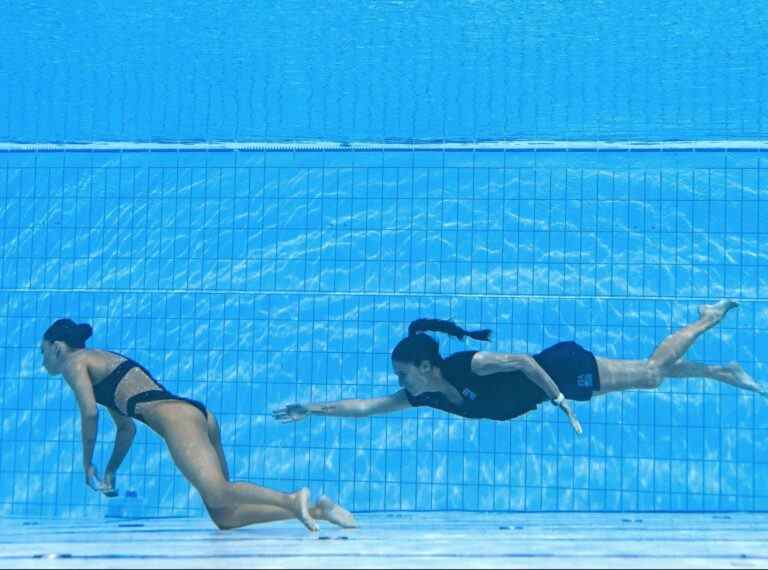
(447, 327)
(68, 332)
(418, 346)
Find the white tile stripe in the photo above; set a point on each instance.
(517, 145)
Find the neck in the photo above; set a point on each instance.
(66, 357)
(437, 383)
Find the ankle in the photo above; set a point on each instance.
(291, 501)
(316, 513)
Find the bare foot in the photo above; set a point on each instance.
(301, 509)
(335, 514)
(717, 311)
(741, 379)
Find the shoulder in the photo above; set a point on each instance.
(91, 363)
(485, 363)
(77, 375)
(458, 364)
(461, 358)
(78, 364)
(402, 399)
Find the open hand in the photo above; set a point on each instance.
(291, 413)
(566, 407)
(108, 484)
(92, 478)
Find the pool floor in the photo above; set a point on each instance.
(398, 540)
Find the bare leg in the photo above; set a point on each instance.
(246, 514)
(732, 373)
(617, 375)
(214, 434)
(333, 513)
(228, 518)
(186, 433)
(677, 344)
(325, 509)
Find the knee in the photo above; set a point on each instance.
(217, 497)
(654, 375)
(223, 518)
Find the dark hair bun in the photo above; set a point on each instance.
(84, 332)
(67, 331)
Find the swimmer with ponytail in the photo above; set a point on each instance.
(503, 386)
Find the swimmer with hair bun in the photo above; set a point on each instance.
(190, 430)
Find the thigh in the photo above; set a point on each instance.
(617, 375)
(185, 431)
(214, 434)
(214, 431)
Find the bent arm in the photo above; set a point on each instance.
(484, 363)
(361, 408)
(126, 430)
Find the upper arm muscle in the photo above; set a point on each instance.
(484, 363)
(392, 403)
(80, 381)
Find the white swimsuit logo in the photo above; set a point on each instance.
(584, 380)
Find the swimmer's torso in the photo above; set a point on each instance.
(122, 384)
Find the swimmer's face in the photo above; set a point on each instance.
(415, 379)
(51, 357)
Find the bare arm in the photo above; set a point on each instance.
(126, 430)
(484, 363)
(345, 408)
(80, 382)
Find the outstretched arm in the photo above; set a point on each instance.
(344, 408)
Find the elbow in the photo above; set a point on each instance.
(90, 415)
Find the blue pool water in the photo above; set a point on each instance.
(254, 279)
(389, 70)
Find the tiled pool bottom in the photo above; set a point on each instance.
(398, 540)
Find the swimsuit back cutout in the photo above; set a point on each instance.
(148, 390)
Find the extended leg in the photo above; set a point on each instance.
(324, 509)
(732, 373)
(617, 375)
(677, 344)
